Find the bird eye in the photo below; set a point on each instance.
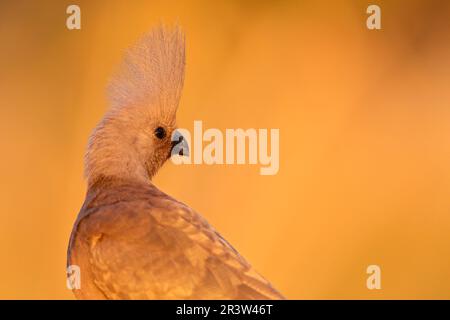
(160, 133)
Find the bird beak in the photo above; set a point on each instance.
(179, 145)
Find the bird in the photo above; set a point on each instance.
(131, 240)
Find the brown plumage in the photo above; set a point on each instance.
(130, 240)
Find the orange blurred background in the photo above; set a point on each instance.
(364, 119)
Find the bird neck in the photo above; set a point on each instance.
(112, 152)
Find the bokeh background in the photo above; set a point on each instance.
(364, 119)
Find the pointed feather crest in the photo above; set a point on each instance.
(152, 72)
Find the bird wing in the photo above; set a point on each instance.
(165, 250)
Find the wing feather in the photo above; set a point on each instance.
(139, 250)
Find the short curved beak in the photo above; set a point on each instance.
(180, 146)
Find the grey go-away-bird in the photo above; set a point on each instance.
(131, 240)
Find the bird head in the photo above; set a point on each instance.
(138, 133)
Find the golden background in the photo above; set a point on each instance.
(364, 120)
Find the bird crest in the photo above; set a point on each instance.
(151, 73)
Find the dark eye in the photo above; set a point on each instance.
(160, 133)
